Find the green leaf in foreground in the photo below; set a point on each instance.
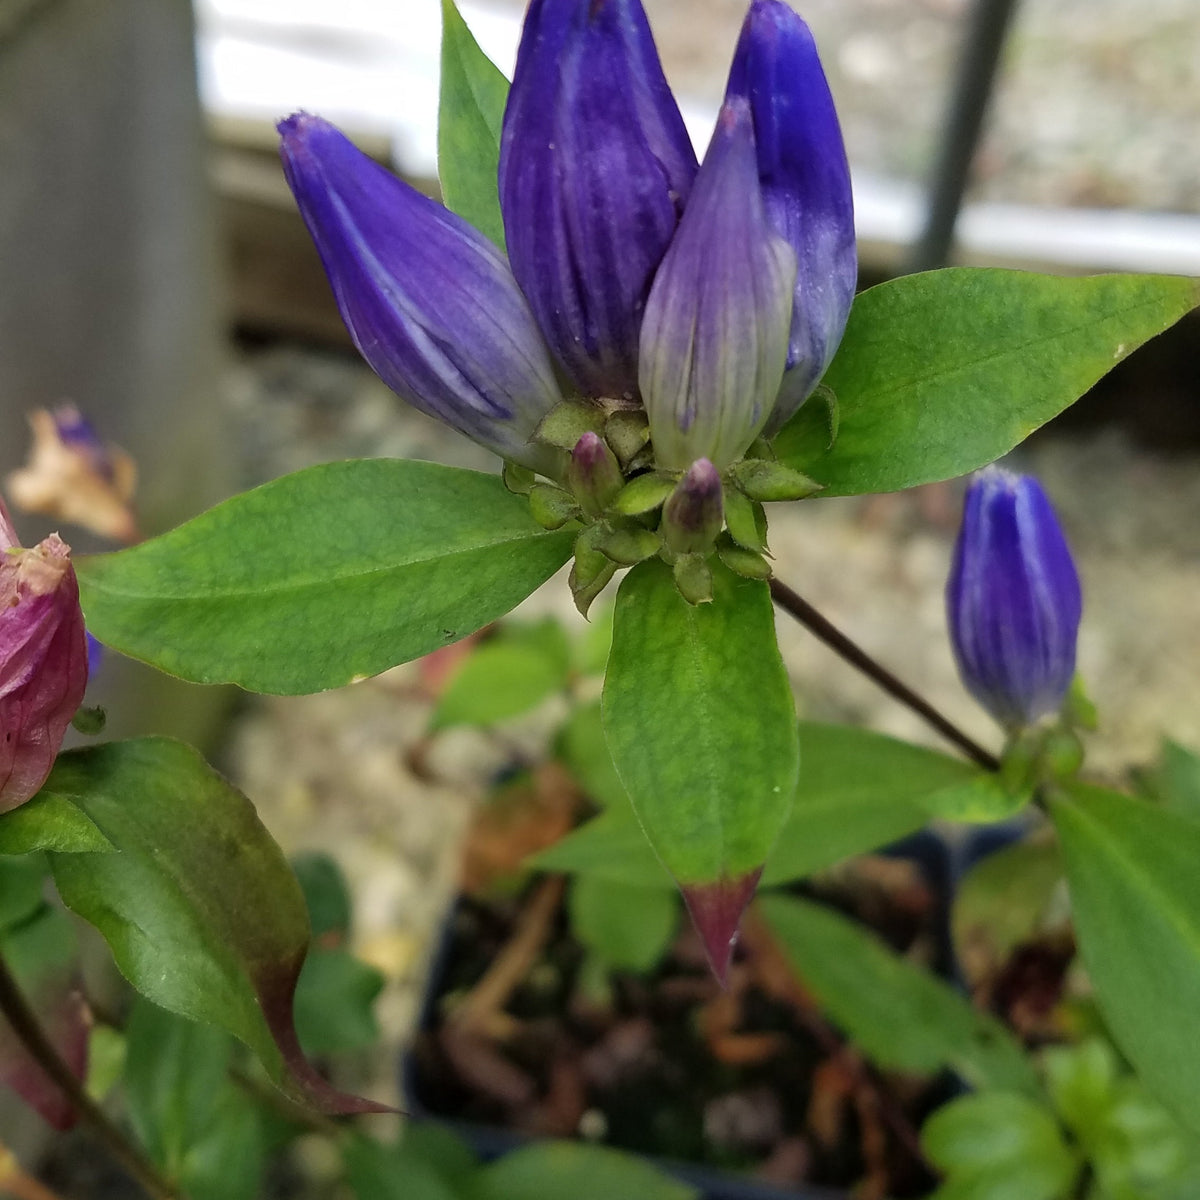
(470, 113)
(942, 372)
(196, 901)
(699, 718)
(894, 1011)
(1135, 897)
(325, 576)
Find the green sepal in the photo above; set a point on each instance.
(567, 422)
(693, 578)
(745, 520)
(588, 583)
(746, 563)
(627, 432)
(643, 494)
(90, 721)
(629, 544)
(551, 507)
(763, 480)
(517, 479)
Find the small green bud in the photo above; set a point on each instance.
(90, 721)
(517, 479)
(594, 474)
(630, 544)
(694, 513)
(643, 494)
(590, 571)
(627, 432)
(551, 507)
(762, 480)
(567, 422)
(693, 578)
(1062, 754)
(743, 562)
(745, 520)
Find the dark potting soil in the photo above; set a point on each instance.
(751, 1080)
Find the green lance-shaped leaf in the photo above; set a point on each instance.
(896, 1012)
(202, 913)
(942, 372)
(328, 575)
(700, 721)
(1135, 897)
(470, 113)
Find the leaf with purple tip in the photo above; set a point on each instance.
(200, 908)
(699, 717)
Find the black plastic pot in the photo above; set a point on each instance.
(939, 864)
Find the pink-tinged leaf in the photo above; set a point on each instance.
(41, 955)
(197, 902)
(716, 910)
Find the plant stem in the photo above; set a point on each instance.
(796, 606)
(25, 1024)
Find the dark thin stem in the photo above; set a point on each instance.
(25, 1024)
(839, 643)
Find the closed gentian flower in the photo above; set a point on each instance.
(429, 301)
(1013, 599)
(806, 185)
(595, 169)
(713, 298)
(43, 659)
(715, 333)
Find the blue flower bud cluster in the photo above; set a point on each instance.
(705, 300)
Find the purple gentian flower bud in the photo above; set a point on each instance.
(429, 301)
(715, 333)
(594, 474)
(806, 185)
(595, 168)
(694, 513)
(43, 659)
(1013, 599)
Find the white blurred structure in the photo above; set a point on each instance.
(371, 66)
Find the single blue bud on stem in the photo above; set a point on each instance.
(429, 301)
(715, 333)
(595, 169)
(1013, 600)
(806, 186)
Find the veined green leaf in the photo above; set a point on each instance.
(942, 372)
(699, 717)
(323, 577)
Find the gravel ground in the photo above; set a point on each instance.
(332, 771)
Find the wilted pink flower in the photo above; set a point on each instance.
(43, 659)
